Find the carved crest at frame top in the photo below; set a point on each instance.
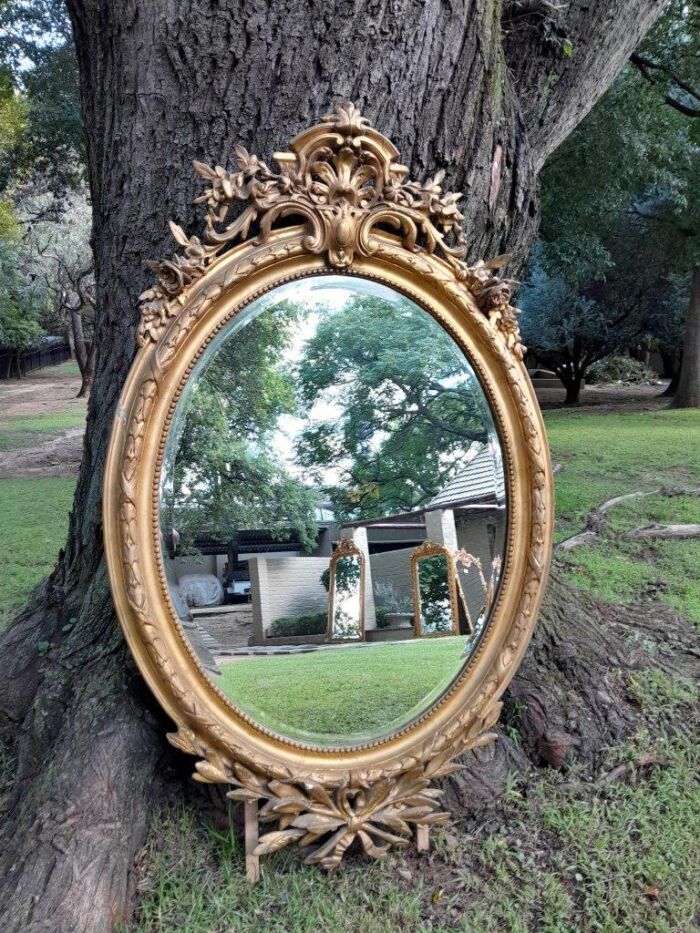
(342, 178)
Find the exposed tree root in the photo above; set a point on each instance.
(571, 698)
(597, 518)
(657, 530)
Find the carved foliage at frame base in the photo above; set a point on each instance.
(379, 810)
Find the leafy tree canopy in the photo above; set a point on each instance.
(22, 302)
(38, 56)
(620, 227)
(227, 475)
(407, 407)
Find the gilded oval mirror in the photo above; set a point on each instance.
(328, 506)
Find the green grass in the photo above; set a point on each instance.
(606, 455)
(346, 691)
(35, 521)
(30, 430)
(193, 881)
(34, 511)
(69, 368)
(556, 855)
(559, 855)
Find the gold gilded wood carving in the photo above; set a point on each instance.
(339, 176)
(432, 549)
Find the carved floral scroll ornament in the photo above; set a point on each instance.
(341, 178)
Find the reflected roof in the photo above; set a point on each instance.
(481, 479)
(480, 484)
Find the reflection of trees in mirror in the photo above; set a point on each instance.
(434, 591)
(411, 406)
(226, 474)
(345, 624)
(347, 575)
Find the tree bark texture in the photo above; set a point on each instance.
(688, 391)
(162, 84)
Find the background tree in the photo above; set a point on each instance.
(21, 307)
(665, 323)
(41, 164)
(160, 87)
(57, 242)
(622, 239)
(36, 50)
(408, 409)
(12, 125)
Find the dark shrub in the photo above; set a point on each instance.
(288, 626)
(620, 369)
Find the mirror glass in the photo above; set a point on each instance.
(328, 432)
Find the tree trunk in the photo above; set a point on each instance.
(81, 353)
(88, 371)
(163, 84)
(672, 387)
(688, 391)
(70, 341)
(573, 390)
(572, 380)
(670, 363)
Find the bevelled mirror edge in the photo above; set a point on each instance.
(232, 310)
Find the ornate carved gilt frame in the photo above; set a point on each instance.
(346, 548)
(432, 549)
(357, 214)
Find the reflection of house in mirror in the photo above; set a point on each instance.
(265, 589)
(467, 517)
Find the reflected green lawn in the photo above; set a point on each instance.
(346, 693)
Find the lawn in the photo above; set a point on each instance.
(606, 455)
(35, 521)
(30, 430)
(69, 368)
(557, 856)
(346, 691)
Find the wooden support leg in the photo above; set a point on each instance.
(252, 862)
(423, 838)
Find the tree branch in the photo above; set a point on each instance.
(647, 68)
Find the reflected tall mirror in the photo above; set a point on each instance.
(327, 502)
(346, 593)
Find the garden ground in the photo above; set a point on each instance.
(557, 853)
